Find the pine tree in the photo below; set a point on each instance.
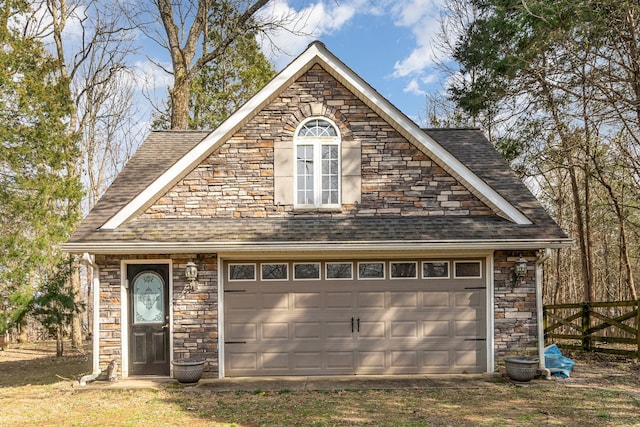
(39, 195)
(228, 82)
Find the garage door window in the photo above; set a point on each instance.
(404, 270)
(339, 270)
(467, 270)
(242, 272)
(310, 271)
(371, 270)
(435, 270)
(274, 271)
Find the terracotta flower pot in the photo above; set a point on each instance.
(188, 371)
(521, 368)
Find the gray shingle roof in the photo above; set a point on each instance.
(158, 152)
(163, 149)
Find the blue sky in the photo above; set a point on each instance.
(389, 43)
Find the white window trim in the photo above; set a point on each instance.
(391, 276)
(384, 270)
(448, 276)
(255, 272)
(317, 143)
(469, 261)
(306, 279)
(326, 271)
(263, 279)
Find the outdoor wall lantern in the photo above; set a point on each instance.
(191, 273)
(520, 269)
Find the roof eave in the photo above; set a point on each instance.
(311, 246)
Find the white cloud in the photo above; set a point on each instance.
(149, 77)
(411, 13)
(430, 78)
(37, 22)
(416, 85)
(413, 87)
(417, 67)
(305, 25)
(421, 16)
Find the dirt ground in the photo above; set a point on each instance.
(597, 370)
(592, 370)
(603, 390)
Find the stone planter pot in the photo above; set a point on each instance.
(188, 371)
(521, 368)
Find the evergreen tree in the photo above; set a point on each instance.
(564, 79)
(228, 82)
(39, 195)
(55, 303)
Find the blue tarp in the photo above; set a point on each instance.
(555, 362)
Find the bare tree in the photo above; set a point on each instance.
(93, 59)
(184, 28)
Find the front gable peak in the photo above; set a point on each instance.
(318, 55)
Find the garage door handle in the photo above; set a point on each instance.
(352, 325)
(358, 325)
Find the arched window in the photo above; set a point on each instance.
(317, 173)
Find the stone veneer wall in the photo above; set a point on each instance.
(237, 180)
(195, 314)
(515, 306)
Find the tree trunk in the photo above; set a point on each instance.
(76, 321)
(626, 261)
(59, 342)
(22, 331)
(567, 151)
(180, 102)
(625, 258)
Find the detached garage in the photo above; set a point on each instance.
(317, 231)
(355, 317)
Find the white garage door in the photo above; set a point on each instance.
(342, 318)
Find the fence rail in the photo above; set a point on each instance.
(595, 325)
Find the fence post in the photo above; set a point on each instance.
(586, 324)
(638, 329)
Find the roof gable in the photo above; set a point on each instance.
(317, 54)
(383, 174)
(154, 233)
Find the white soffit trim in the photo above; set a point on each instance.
(315, 53)
(330, 248)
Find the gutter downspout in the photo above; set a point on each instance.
(89, 262)
(543, 255)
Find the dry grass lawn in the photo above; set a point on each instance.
(39, 389)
